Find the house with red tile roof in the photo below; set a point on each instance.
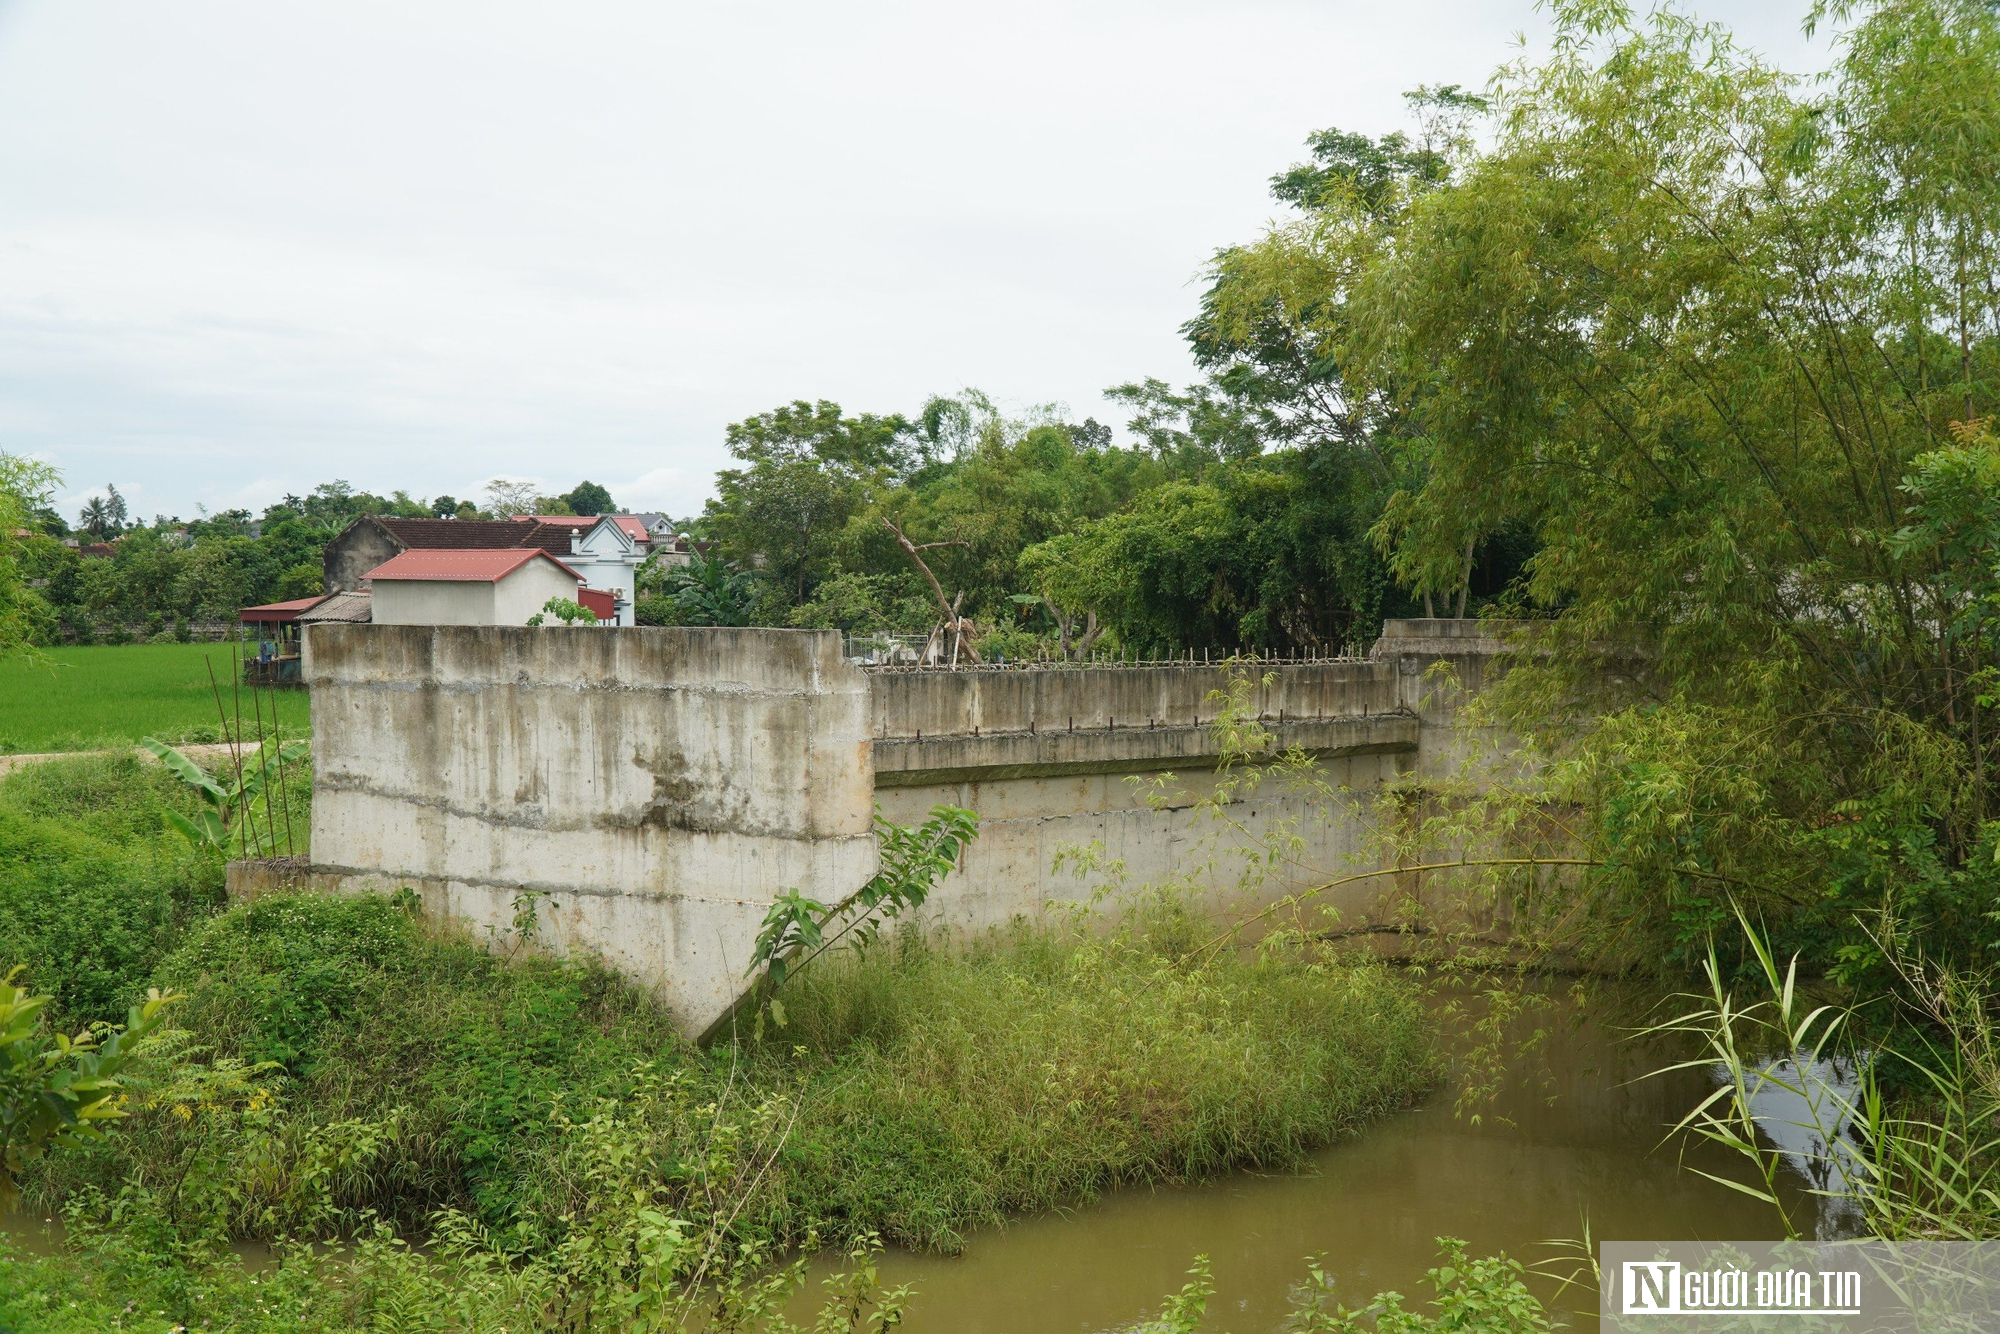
(496, 586)
(373, 540)
(605, 552)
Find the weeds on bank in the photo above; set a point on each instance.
(97, 892)
(936, 1090)
(1043, 1065)
(345, 1072)
(1899, 1105)
(1488, 1295)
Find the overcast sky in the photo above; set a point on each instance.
(249, 246)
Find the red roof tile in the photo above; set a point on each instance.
(478, 567)
(280, 611)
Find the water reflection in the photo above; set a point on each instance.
(1807, 1111)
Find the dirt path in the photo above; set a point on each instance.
(203, 754)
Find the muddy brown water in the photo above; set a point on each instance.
(1573, 1140)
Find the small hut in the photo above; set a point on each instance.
(274, 630)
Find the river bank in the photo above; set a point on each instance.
(1574, 1139)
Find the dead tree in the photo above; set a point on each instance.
(1073, 646)
(957, 629)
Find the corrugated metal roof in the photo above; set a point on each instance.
(354, 607)
(476, 567)
(280, 611)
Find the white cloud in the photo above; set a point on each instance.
(248, 247)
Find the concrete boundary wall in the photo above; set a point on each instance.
(649, 792)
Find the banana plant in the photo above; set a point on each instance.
(798, 930)
(55, 1090)
(223, 801)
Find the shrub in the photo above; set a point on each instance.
(938, 1089)
(97, 893)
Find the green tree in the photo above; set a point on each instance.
(104, 516)
(589, 498)
(303, 580)
(25, 485)
(1704, 332)
(708, 590)
(807, 471)
(1261, 554)
(1020, 485)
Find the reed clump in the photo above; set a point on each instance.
(1044, 1064)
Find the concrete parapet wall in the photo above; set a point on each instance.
(990, 756)
(1057, 699)
(651, 791)
(1067, 768)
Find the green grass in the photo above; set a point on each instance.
(96, 891)
(105, 696)
(937, 1090)
(340, 1065)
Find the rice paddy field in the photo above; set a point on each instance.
(105, 696)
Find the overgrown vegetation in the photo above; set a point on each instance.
(1721, 346)
(1720, 342)
(925, 1099)
(339, 1067)
(98, 890)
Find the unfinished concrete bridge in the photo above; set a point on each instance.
(655, 789)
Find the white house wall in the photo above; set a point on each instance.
(432, 602)
(527, 590)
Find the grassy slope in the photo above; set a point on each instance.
(95, 890)
(936, 1090)
(105, 696)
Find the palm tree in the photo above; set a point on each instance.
(103, 516)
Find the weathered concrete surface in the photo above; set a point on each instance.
(1082, 776)
(653, 789)
(657, 788)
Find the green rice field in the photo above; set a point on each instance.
(111, 695)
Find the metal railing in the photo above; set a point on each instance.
(906, 653)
